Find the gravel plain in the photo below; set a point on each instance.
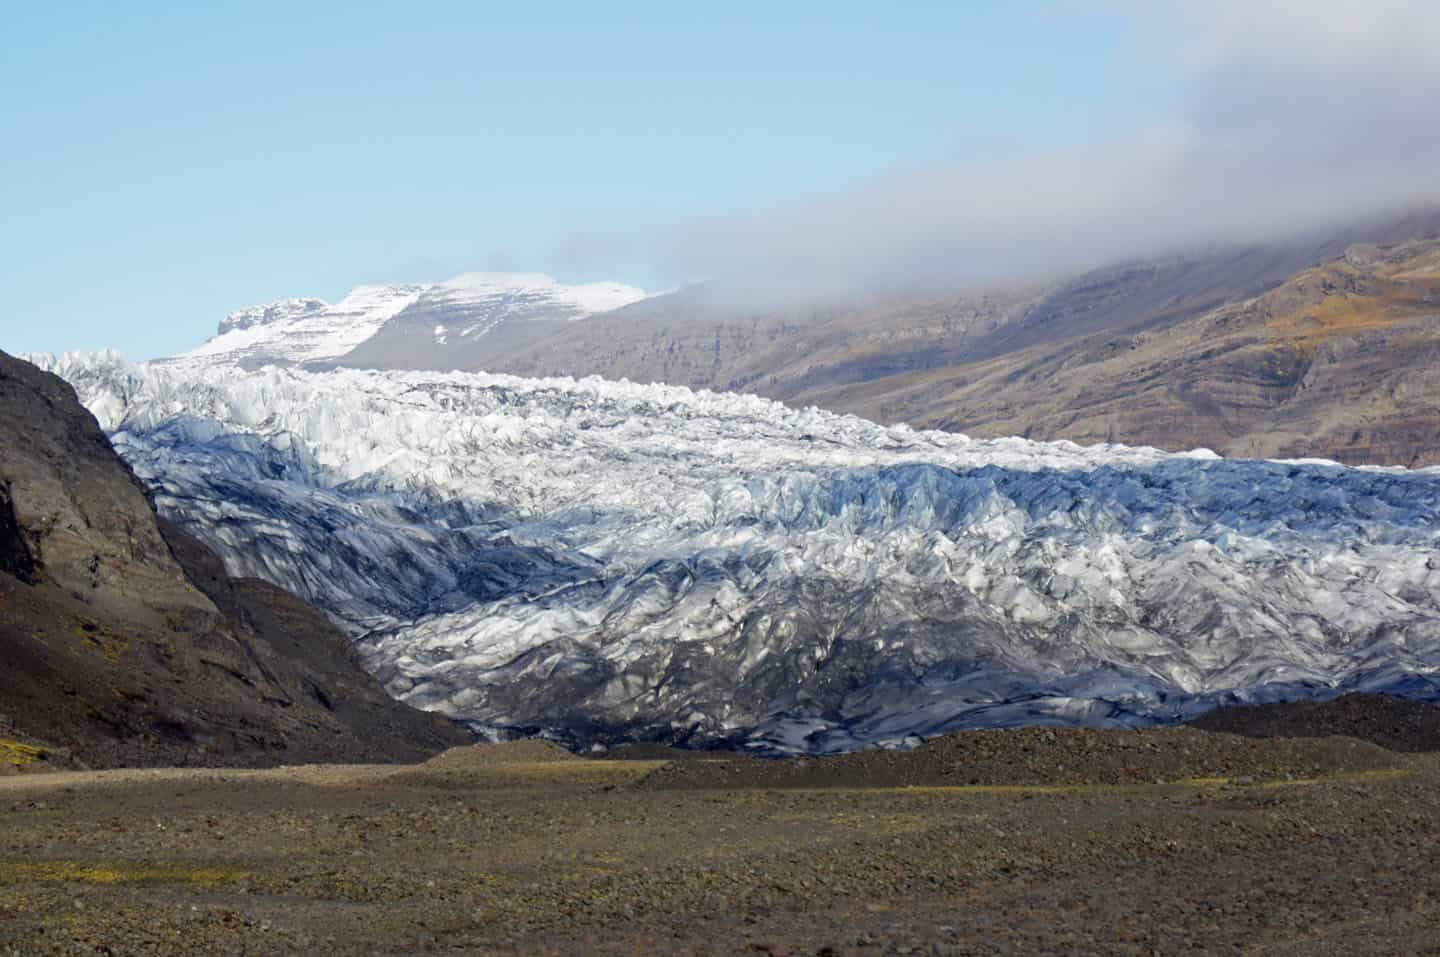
(1175, 842)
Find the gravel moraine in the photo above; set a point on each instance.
(1299, 847)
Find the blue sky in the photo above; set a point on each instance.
(163, 163)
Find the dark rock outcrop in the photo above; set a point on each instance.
(124, 643)
(15, 557)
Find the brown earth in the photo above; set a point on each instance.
(649, 751)
(536, 852)
(475, 756)
(123, 641)
(1053, 757)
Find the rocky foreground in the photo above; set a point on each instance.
(1033, 841)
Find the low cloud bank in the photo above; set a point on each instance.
(1286, 119)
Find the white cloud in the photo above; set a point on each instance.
(1290, 115)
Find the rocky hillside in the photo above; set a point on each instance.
(687, 338)
(123, 641)
(1339, 361)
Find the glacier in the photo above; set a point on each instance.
(603, 561)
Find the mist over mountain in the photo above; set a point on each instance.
(1235, 348)
(1239, 281)
(1278, 120)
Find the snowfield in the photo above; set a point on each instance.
(606, 561)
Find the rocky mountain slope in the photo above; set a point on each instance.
(123, 641)
(609, 561)
(691, 338)
(1339, 361)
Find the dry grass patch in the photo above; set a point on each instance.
(117, 872)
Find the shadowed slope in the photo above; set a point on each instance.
(119, 654)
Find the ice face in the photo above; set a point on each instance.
(606, 560)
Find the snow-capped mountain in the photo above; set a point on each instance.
(604, 560)
(471, 305)
(440, 324)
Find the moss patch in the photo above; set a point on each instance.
(1339, 300)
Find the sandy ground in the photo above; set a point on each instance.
(529, 851)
